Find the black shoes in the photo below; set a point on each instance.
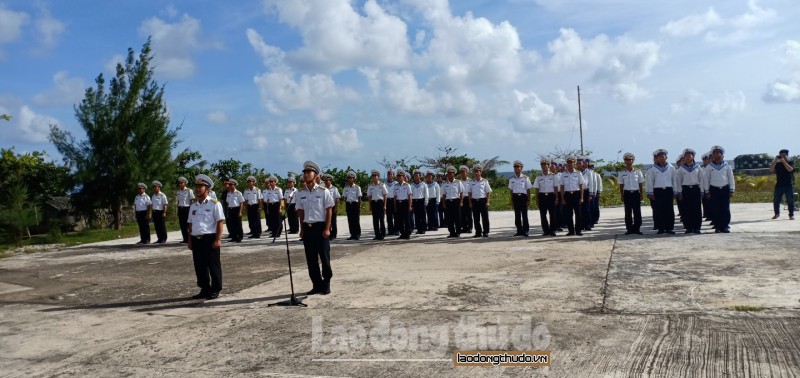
(314, 291)
(202, 294)
(476, 236)
(213, 295)
(670, 232)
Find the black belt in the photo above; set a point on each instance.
(545, 193)
(572, 192)
(631, 191)
(419, 199)
(402, 200)
(352, 201)
(185, 206)
(454, 199)
(203, 236)
(520, 194)
(377, 200)
(691, 186)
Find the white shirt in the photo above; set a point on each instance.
(314, 203)
(480, 189)
(688, 176)
(334, 192)
(598, 182)
(352, 193)
(572, 181)
(252, 196)
(272, 195)
(452, 190)
(419, 191)
(467, 186)
(546, 183)
(141, 202)
(434, 191)
(390, 189)
(588, 175)
(185, 197)
(234, 198)
(719, 176)
(376, 191)
(289, 195)
(159, 200)
(659, 177)
(630, 180)
(519, 185)
(402, 191)
(204, 216)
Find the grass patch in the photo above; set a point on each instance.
(748, 308)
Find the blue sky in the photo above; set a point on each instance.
(275, 83)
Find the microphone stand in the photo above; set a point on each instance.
(293, 300)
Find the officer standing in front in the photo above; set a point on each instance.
(159, 201)
(143, 207)
(520, 188)
(631, 189)
(314, 209)
(205, 227)
(185, 198)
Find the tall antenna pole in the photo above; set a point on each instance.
(580, 120)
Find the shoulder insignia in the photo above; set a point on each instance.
(212, 199)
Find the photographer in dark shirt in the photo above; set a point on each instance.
(784, 171)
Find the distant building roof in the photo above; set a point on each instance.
(59, 203)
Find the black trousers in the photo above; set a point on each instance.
(480, 215)
(547, 206)
(266, 217)
(390, 216)
(420, 223)
(318, 250)
(234, 223)
(294, 221)
(466, 217)
(254, 220)
(353, 210)
(160, 225)
(573, 206)
(183, 221)
(402, 220)
(378, 225)
(586, 210)
(432, 212)
(633, 210)
(595, 210)
(691, 214)
(440, 210)
(453, 216)
(664, 210)
(144, 226)
(720, 206)
(274, 219)
(207, 266)
(520, 202)
(334, 228)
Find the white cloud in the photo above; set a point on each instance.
(290, 142)
(11, 23)
(66, 90)
(454, 135)
(337, 37)
(724, 31)
(26, 126)
(111, 63)
(217, 117)
(619, 63)
(710, 112)
(173, 45)
(787, 88)
(403, 94)
(693, 25)
(49, 29)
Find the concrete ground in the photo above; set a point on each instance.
(603, 304)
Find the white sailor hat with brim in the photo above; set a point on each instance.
(141, 185)
(272, 179)
(233, 182)
(310, 165)
(477, 167)
(417, 172)
(706, 155)
(689, 151)
(518, 163)
(451, 169)
(429, 173)
(718, 148)
(660, 151)
(351, 174)
(327, 176)
(156, 183)
(291, 178)
(463, 168)
(374, 172)
(628, 155)
(401, 172)
(202, 179)
(251, 178)
(570, 157)
(183, 179)
(544, 162)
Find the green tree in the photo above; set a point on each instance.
(5, 117)
(17, 214)
(43, 179)
(189, 164)
(128, 137)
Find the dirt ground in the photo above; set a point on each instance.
(603, 304)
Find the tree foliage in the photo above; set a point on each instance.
(17, 213)
(128, 137)
(44, 179)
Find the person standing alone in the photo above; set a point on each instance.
(783, 169)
